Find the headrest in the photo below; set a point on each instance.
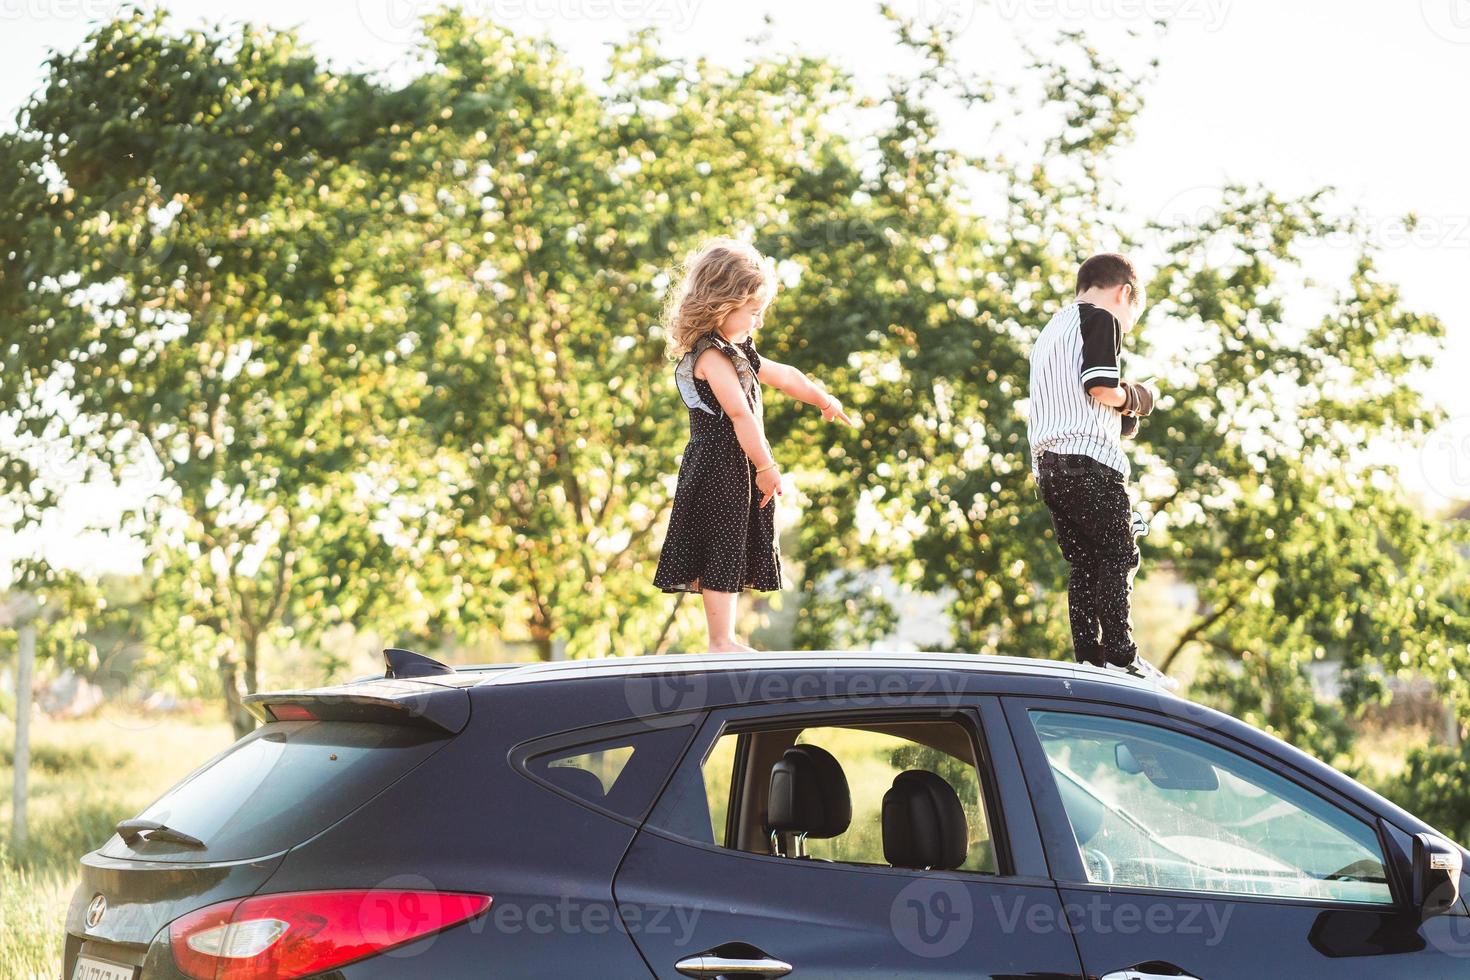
(923, 822)
(578, 782)
(808, 794)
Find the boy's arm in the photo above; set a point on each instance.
(1100, 377)
(1101, 340)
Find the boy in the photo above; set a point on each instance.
(1081, 410)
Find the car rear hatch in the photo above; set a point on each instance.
(221, 831)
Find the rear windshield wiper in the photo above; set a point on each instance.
(131, 830)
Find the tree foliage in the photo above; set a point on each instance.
(395, 351)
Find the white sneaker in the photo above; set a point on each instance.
(1142, 668)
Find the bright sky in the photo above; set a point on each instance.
(1362, 95)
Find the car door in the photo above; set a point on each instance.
(703, 893)
(1183, 853)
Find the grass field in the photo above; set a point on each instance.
(85, 776)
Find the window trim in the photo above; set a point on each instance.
(746, 718)
(1056, 828)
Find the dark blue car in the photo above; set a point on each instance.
(801, 814)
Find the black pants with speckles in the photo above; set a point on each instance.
(1092, 515)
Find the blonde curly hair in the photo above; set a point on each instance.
(722, 276)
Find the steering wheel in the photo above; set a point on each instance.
(1094, 858)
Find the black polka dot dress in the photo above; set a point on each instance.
(718, 537)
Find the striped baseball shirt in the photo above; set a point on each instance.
(1078, 349)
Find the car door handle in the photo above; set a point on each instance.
(1148, 974)
(740, 961)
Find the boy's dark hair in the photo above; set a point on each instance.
(1107, 269)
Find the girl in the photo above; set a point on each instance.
(721, 538)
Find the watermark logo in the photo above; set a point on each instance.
(1110, 915)
(1448, 19)
(1198, 209)
(39, 10)
(138, 229)
(951, 16)
(1444, 459)
(1448, 932)
(660, 699)
(932, 916)
(1212, 14)
(397, 908)
(399, 21)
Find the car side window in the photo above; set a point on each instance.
(1152, 807)
(729, 804)
(620, 774)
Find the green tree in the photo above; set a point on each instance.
(191, 262)
(547, 218)
(396, 352)
(1299, 548)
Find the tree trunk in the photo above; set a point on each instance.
(252, 673)
(242, 721)
(27, 660)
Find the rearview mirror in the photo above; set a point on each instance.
(1436, 886)
(1165, 767)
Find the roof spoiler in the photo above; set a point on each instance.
(391, 701)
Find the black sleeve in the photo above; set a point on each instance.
(1101, 339)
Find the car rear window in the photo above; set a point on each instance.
(278, 786)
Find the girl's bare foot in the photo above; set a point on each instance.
(730, 646)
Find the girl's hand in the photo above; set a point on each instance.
(833, 411)
(768, 482)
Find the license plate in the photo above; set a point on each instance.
(90, 968)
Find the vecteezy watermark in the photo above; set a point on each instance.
(1448, 932)
(663, 699)
(1210, 13)
(1448, 19)
(1201, 207)
(932, 916)
(127, 690)
(398, 906)
(1444, 459)
(399, 21)
(953, 16)
(1113, 915)
(137, 228)
(34, 10)
(567, 916)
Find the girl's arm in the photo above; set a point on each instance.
(720, 373)
(793, 382)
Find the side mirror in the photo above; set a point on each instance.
(1436, 885)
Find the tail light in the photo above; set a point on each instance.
(295, 934)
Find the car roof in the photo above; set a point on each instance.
(603, 667)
